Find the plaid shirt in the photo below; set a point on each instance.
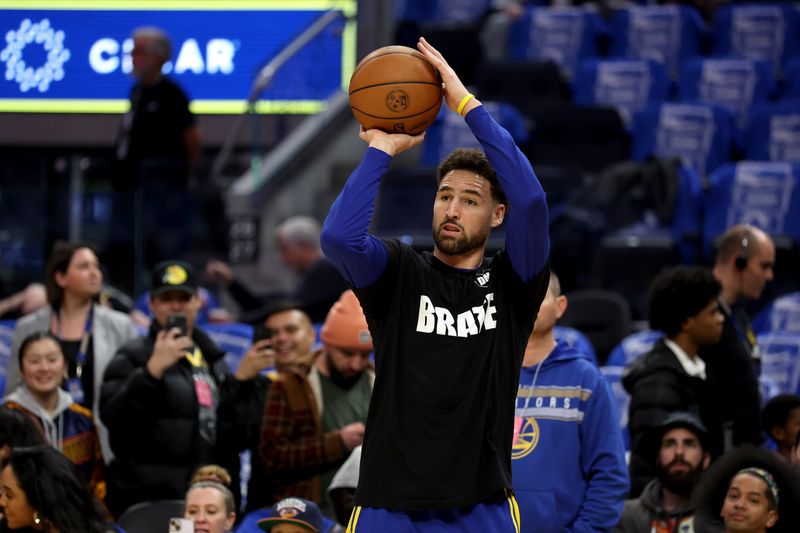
(293, 447)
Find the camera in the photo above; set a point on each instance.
(177, 321)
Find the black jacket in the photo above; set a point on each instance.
(658, 386)
(153, 423)
(639, 514)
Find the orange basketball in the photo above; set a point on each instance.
(395, 89)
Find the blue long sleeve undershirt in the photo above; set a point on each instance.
(362, 257)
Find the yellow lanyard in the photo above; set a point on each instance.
(196, 358)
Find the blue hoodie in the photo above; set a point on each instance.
(568, 460)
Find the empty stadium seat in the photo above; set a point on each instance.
(565, 36)
(666, 34)
(763, 31)
(790, 84)
(527, 85)
(773, 132)
(603, 316)
(782, 315)
(149, 517)
(701, 134)
(780, 360)
(628, 85)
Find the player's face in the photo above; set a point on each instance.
(464, 213)
(759, 269)
(706, 326)
(746, 506)
(292, 335)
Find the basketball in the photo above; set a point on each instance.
(395, 89)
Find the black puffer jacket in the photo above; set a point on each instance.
(639, 514)
(658, 386)
(153, 423)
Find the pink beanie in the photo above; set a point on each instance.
(346, 326)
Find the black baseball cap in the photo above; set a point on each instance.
(297, 511)
(678, 419)
(173, 276)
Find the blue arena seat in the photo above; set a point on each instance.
(782, 315)
(577, 340)
(6, 335)
(763, 31)
(564, 36)
(624, 353)
(700, 134)
(736, 84)
(628, 85)
(790, 86)
(764, 194)
(666, 34)
(449, 131)
(780, 360)
(773, 132)
(527, 85)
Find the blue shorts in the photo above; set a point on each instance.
(500, 516)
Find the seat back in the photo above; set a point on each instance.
(700, 134)
(564, 36)
(666, 34)
(577, 340)
(527, 85)
(773, 132)
(780, 360)
(628, 85)
(782, 315)
(151, 516)
(603, 316)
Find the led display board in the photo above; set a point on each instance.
(72, 56)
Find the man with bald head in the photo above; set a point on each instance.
(743, 266)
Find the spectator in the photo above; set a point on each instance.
(290, 339)
(342, 490)
(160, 396)
(320, 283)
(781, 420)
(67, 426)
(565, 408)
(89, 333)
(750, 490)
(293, 515)
(679, 446)
(28, 300)
(671, 377)
(210, 506)
(744, 263)
(450, 327)
(16, 429)
(158, 147)
(214, 473)
(313, 419)
(42, 490)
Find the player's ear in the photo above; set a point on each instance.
(498, 214)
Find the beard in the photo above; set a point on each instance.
(339, 379)
(680, 483)
(461, 244)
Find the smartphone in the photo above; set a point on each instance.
(177, 321)
(181, 525)
(261, 332)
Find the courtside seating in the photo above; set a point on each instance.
(773, 132)
(700, 134)
(736, 84)
(667, 34)
(764, 31)
(764, 194)
(563, 35)
(628, 85)
(782, 315)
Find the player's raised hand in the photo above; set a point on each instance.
(454, 89)
(391, 143)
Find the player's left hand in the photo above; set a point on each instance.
(454, 89)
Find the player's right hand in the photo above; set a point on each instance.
(391, 143)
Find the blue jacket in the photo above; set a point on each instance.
(568, 460)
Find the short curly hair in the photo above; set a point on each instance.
(679, 293)
(473, 160)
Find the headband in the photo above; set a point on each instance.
(767, 477)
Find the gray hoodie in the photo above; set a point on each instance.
(53, 424)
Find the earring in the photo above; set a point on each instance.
(36, 519)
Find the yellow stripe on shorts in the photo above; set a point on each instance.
(514, 509)
(351, 525)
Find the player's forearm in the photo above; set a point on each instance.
(527, 237)
(345, 239)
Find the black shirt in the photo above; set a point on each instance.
(70, 349)
(449, 345)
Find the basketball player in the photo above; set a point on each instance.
(449, 328)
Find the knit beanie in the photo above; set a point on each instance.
(346, 326)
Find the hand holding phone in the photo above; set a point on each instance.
(178, 321)
(181, 525)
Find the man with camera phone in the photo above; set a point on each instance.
(160, 395)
